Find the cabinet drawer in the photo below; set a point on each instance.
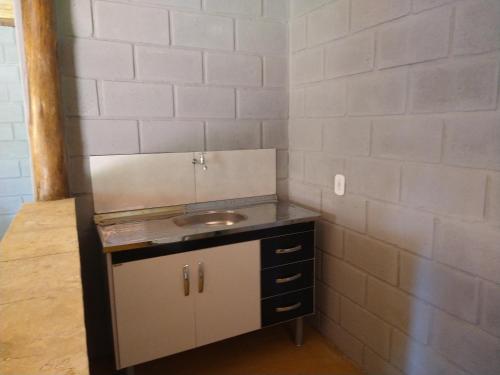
(287, 249)
(287, 306)
(287, 278)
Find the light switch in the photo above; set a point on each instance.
(339, 184)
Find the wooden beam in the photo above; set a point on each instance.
(45, 125)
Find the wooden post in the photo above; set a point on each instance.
(45, 125)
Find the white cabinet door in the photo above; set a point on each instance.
(154, 317)
(229, 304)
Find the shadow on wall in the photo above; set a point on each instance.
(93, 267)
(356, 293)
(392, 309)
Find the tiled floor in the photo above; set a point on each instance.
(270, 352)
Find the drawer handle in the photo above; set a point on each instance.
(288, 308)
(285, 280)
(289, 250)
(185, 276)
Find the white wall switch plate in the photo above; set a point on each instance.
(339, 184)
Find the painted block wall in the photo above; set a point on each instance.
(401, 96)
(15, 180)
(149, 76)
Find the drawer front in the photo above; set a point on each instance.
(287, 249)
(287, 306)
(287, 278)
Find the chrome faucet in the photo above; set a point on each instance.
(201, 161)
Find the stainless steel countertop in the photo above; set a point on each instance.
(156, 231)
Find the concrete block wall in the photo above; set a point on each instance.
(401, 96)
(144, 76)
(148, 76)
(15, 180)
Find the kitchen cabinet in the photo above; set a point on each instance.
(153, 317)
(168, 298)
(230, 302)
(165, 305)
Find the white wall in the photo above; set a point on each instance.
(15, 180)
(402, 97)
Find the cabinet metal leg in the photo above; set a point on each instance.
(128, 371)
(299, 331)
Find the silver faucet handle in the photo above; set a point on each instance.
(202, 161)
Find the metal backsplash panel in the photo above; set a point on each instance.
(129, 182)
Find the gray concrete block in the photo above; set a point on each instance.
(414, 39)
(369, 13)
(351, 55)
(408, 138)
(162, 64)
(450, 290)
(232, 135)
(308, 196)
(366, 327)
(473, 141)
(326, 99)
(205, 102)
(374, 178)
(347, 137)
(305, 134)
(344, 278)
(347, 343)
(472, 248)
(379, 93)
(171, 136)
(262, 36)
(398, 308)
(490, 308)
(89, 58)
(466, 345)
(347, 210)
(131, 23)
(445, 190)
(376, 258)
(9, 168)
(457, 86)
(202, 31)
(477, 28)
(321, 168)
(328, 22)
(493, 198)
(416, 359)
(275, 134)
(330, 238)
(102, 137)
(409, 229)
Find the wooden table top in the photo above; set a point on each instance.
(42, 328)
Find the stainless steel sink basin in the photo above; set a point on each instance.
(210, 218)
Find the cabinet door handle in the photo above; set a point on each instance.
(285, 280)
(288, 308)
(289, 250)
(185, 276)
(201, 277)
